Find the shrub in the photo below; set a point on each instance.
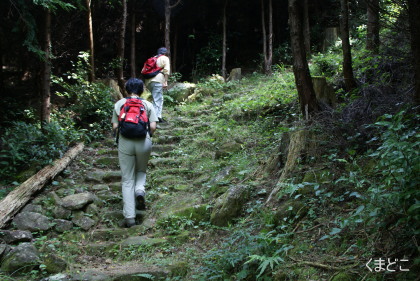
(91, 103)
(27, 145)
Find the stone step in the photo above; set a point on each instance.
(110, 162)
(160, 148)
(166, 139)
(132, 270)
(166, 161)
(101, 176)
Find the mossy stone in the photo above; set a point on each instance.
(343, 276)
(54, 264)
(198, 213)
(179, 269)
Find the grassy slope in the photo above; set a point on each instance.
(343, 203)
(324, 225)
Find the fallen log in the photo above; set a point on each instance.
(17, 198)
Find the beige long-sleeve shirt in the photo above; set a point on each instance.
(163, 62)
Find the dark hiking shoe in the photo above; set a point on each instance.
(130, 222)
(140, 202)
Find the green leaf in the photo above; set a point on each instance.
(413, 208)
(335, 230)
(359, 210)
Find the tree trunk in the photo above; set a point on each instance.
(174, 51)
(307, 98)
(330, 37)
(91, 44)
(267, 42)
(264, 37)
(270, 36)
(349, 81)
(372, 37)
(224, 42)
(17, 198)
(46, 70)
(306, 28)
(1, 57)
(133, 40)
(168, 27)
(121, 82)
(168, 8)
(413, 9)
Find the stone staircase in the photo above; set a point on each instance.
(92, 243)
(108, 247)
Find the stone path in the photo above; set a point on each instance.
(82, 210)
(107, 247)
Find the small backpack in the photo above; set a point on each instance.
(133, 121)
(150, 68)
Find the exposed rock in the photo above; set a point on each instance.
(344, 276)
(92, 209)
(54, 264)
(21, 259)
(83, 221)
(227, 149)
(180, 91)
(59, 212)
(62, 225)
(109, 162)
(4, 249)
(112, 176)
(32, 208)
(77, 201)
(235, 75)
(221, 175)
(142, 240)
(58, 277)
(99, 187)
(229, 205)
(32, 222)
(96, 176)
(290, 209)
(16, 236)
(198, 213)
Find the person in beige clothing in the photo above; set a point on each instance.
(133, 155)
(157, 84)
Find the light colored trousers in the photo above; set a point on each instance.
(156, 89)
(133, 155)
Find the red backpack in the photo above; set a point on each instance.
(150, 68)
(133, 120)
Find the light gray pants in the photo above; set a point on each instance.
(156, 89)
(133, 155)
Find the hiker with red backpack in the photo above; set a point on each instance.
(156, 72)
(134, 122)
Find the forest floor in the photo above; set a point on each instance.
(206, 150)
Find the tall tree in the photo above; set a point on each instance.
(413, 9)
(168, 8)
(306, 28)
(224, 41)
(46, 68)
(372, 36)
(133, 39)
(304, 85)
(91, 42)
(121, 48)
(349, 81)
(267, 42)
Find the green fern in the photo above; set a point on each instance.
(264, 262)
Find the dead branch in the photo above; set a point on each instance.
(18, 197)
